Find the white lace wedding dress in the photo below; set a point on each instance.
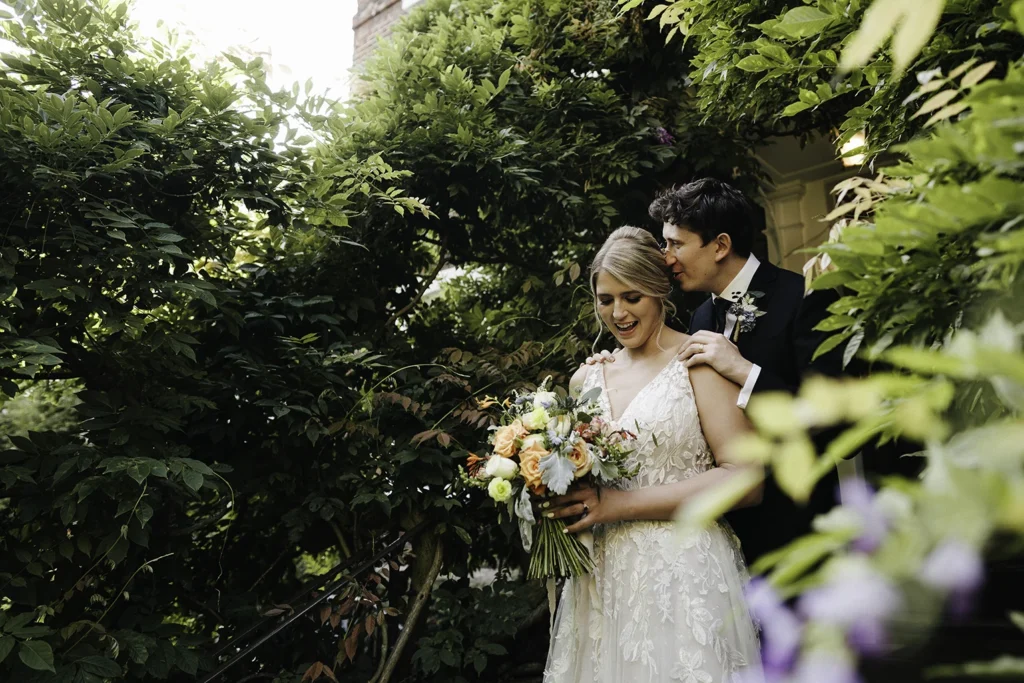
(657, 607)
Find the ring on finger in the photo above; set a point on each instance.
(699, 348)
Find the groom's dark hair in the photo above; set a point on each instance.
(708, 207)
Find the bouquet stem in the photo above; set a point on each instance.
(556, 553)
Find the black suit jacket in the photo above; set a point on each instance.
(782, 343)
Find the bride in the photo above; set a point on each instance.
(657, 607)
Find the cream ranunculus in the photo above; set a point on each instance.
(536, 419)
(502, 468)
(581, 458)
(500, 490)
(505, 438)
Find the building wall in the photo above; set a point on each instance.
(372, 23)
(797, 195)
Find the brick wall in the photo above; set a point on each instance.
(373, 22)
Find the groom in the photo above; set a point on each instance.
(756, 329)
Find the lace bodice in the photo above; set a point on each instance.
(670, 445)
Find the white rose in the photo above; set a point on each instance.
(560, 425)
(502, 468)
(544, 399)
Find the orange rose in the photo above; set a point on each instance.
(581, 459)
(505, 438)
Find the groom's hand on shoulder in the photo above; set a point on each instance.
(598, 358)
(714, 350)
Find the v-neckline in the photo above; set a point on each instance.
(607, 394)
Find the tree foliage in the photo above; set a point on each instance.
(776, 67)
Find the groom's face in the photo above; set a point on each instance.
(693, 263)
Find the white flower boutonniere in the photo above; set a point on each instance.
(746, 312)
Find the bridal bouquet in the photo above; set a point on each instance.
(545, 443)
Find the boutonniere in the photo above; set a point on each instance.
(746, 312)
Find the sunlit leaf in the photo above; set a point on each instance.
(975, 75)
(793, 467)
(804, 21)
(919, 22)
(946, 112)
(710, 504)
(936, 102)
(879, 22)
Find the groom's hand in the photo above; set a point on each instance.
(718, 352)
(598, 358)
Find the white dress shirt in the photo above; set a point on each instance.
(734, 292)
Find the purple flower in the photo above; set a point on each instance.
(867, 637)
(825, 667)
(956, 568)
(664, 137)
(953, 566)
(858, 599)
(859, 497)
(781, 629)
(853, 595)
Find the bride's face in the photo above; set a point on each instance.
(631, 316)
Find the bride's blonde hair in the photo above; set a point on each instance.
(632, 256)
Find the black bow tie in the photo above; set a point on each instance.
(722, 306)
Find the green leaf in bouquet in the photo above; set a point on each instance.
(590, 396)
(605, 470)
(557, 472)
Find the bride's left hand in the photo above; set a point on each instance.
(590, 503)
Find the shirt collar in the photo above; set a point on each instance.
(741, 283)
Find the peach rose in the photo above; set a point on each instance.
(533, 444)
(581, 458)
(505, 438)
(529, 467)
(529, 462)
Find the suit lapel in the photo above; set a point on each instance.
(764, 282)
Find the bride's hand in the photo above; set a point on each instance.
(592, 504)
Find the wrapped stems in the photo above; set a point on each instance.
(556, 553)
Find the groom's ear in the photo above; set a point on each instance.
(723, 246)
